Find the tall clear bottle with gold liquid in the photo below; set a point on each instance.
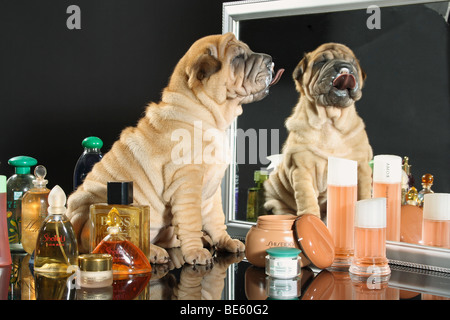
(34, 209)
(56, 245)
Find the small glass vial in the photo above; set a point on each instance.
(95, 270)
(370, 239)
(436, 220)
(387, 178)
(342, 191)
(283, 262)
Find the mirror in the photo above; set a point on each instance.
(405, 101)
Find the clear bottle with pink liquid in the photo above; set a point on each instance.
(5, 253)
(370, 239)
(436, 220)
(341, 199)
(387, 178)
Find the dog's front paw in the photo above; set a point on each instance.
(198, 256)
(158, 254)
(232, 245)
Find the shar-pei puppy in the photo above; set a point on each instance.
(176, 154)
(324, 123)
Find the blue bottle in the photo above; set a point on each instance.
(91, 155)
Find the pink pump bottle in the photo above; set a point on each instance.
(387, 178)
(370, 239)
(5, 253)
(341, 199)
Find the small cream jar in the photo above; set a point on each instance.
(283, 262)
(94, 270)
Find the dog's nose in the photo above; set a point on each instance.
(344, 70)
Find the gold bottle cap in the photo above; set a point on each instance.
(95, 262)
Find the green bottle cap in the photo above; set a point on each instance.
(22, 164)
(2, 184)
(92, 143)
(283, 252)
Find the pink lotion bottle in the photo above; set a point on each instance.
(436, 220)
(387, 178)
(5, 252)
(370, 239)
(341, 199)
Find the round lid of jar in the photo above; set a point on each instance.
(95, 262)
(283, 252)
(315, 240)
(92, 143)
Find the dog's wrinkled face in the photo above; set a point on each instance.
(226, 69)
(330, 76)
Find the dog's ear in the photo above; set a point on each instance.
(363, 74)
(205, 66)
(298, 73)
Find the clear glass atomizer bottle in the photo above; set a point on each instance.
(370, 240)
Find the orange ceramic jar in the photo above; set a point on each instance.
(270, 231)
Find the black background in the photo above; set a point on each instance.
(58, 86)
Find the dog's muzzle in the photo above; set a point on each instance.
(344, 80)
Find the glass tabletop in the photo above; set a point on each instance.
(231, 277)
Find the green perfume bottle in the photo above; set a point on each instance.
(16, 186)
(255, 197)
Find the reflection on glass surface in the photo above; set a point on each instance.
(231, 277)
(408, 99)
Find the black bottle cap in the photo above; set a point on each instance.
(120, 192)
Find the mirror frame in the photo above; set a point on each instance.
(398, 253)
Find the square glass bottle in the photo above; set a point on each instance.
(135, 219)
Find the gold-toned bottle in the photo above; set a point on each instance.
(56, 245)
(427, 183)
(134, 218)
(127, 258)
(34, 209)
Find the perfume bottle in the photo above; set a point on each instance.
(427, 183)
(90, 156)
(34, 209)
(412, 197)
(16, 186)
(56, 245)
(127, 258)
(387, 177)
(255, 198)
(5, 254)
(436, 220)
(370, 239)
(135, 219)
(342, 191)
